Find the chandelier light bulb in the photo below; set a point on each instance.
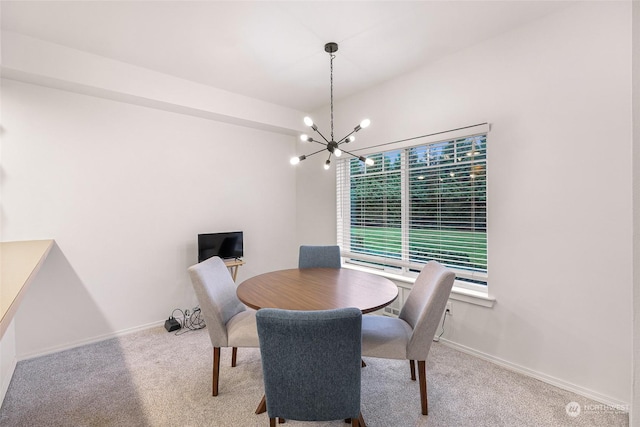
(337, 152)
(369, 162)
(327, 165)
(308, 121)
(351, 139)
(365, 123)
(304, 137)
(296, 160)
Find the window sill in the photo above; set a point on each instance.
(458, 293)
(472, 297)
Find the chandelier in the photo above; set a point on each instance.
(332, 146)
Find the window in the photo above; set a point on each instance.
(415, 204)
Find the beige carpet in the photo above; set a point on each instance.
(155, 378)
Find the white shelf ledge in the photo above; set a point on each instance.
(19, 264)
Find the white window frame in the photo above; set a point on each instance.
(398, 268)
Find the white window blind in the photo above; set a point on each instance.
(415, 204)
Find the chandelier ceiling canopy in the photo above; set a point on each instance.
(331, 145)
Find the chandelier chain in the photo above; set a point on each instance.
(331, 64)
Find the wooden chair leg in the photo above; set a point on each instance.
(262, 406)
(423, 387)
(281, 420)
(359, 422)
(347, 420)
(234, 355)
(272, 422)
(363, 364)
(412, 366)
(216, 371)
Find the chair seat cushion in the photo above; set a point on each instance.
(242, 331)
(385, 337)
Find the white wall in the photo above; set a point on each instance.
(124, 190)
(1, 133)
(316, 200)
(557, 93)
(634, 416)
(7, 344)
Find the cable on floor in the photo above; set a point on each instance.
(191, 320)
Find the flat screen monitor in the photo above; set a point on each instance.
(223, 245)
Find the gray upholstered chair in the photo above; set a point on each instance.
(319, 257)
(410, 335)
(311, 364)
(229, 322)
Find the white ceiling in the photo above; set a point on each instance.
(271, 50)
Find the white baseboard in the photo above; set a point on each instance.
(92, 340)
(590, 394)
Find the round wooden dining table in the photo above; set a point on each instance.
(318, 289)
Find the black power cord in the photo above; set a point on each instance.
(446, 313)
(191, 320)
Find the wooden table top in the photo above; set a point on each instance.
(19, 264)
(318, 289)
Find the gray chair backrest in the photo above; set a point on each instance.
(319, 257)
(216, 293)
(311, 361)
(424, 307)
